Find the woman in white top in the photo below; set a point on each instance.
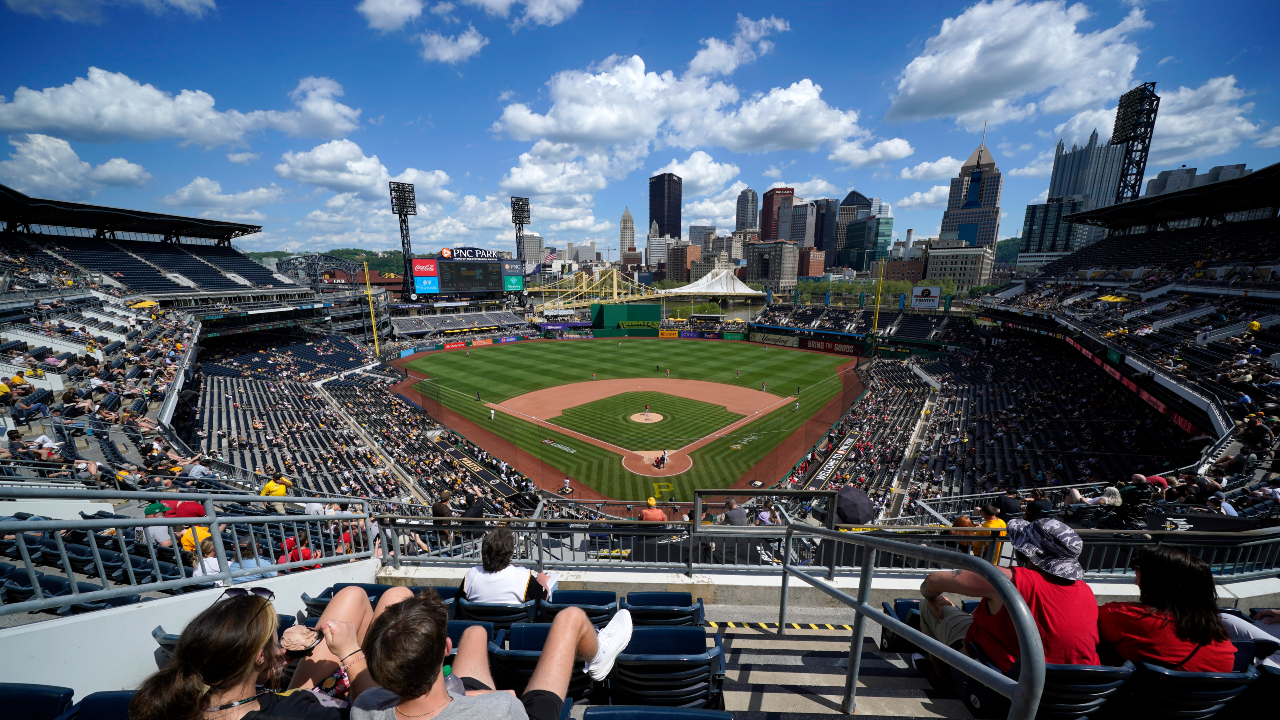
(1109, 496)
(497, 581)
(208, 564)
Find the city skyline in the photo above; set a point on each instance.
(297, 121)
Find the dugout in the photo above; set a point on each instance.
(626, 316)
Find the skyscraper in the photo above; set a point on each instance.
(804, 217)
(626, 231)
(824, 229)
(702, 235)
(854, 206)
(748, 210)
(775, 213)
(1092, 171)
(664, 203)
(973, 207)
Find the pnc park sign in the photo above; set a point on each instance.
(468, 253)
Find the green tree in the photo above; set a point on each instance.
(1007, 251)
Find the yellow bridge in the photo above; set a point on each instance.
(582, 290)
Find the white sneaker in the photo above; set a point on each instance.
(612, 640)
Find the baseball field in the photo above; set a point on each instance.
(723, 407)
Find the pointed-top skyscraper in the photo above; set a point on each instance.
(626, 231)
(973, 206)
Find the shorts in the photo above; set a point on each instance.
(538, 704)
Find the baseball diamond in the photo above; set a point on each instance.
(717, 424)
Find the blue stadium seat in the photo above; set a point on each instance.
(502, 616)
(1071, 692)
(457, 627)
(20, 701)
(906, 611)
(599, 605)
(669, 666)
(513, 665)
(97, 604)
(1157, 693)
(664, 608)
(112, 705)
(316, 605)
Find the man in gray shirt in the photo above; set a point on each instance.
(735, 515)
(406, 646)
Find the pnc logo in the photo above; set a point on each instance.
(446, 252)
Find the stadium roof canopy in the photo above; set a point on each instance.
(19, 209)
(721, 282)
(1258, 189)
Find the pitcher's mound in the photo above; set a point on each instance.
(652, 417)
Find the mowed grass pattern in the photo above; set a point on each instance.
(683, 420)
(499, 372)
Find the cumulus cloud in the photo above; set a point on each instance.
(341, 166)
(1042, 166)
(242, 158)
(452, 49)
(718, 57)
(536, 12)
(1006, 60)
(853, 154)
(1270, 139)
(388, 15)
(700, 174)
(940, 168)
(934, 197)
(91, 10)
(720, 209)
(207, 194)
(112, 107)
(811, 189)
(48, 167)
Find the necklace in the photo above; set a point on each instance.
(447, 700)
(237, 703)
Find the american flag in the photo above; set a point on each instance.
(551, 256)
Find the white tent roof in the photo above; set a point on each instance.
(720, 282)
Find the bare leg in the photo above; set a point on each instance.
(1073, 497)
(349, 605)
(571, 641)
(472, 659)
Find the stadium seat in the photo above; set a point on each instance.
(1071, 692)
(316, 605)
(513, 665)
(599, 605)
(906, 611)
(633, 712)
(1157, 693)
(457, 627)
(97, 604)
(112, 705)
(669, 666)
(502, 616)
(20, 701)
(664, 608)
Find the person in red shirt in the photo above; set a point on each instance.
(298, 549)
(1050, 580)
(1176, 624)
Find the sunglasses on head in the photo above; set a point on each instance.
(261, 592)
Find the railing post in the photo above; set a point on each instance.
(786, 582)
(869, 556)
(216, 535)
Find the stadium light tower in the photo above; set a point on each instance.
(404, 204)
(520, 218)
(1135, 122)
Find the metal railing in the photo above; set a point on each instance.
(111, 556)
(947, 509)
(1023, 693)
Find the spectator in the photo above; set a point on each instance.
(206, 562)
(158, 534)
(1175, 624)
(1009, 504)
(652, 513)
(733, 514)
(1218, 503)
(1050, 580)
(1039, 506)
(249, 559)
(441, 509)
(406, 647)
(496, 580)
(277, 486)
(990, 519)
(1110, 496)
(768, 514)
(297, 549)
(193, 536)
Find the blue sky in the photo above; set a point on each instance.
(294, 115)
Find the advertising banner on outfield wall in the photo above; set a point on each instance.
(690, 334)
(669, 333)
(710, 336)
(733, 336)
(407, 353)
(508, 339)
(452, 345)
(477, 343)
(836, 347)
(771, 339)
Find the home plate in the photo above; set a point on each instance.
(652, 417)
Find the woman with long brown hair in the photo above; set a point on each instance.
(227, 653)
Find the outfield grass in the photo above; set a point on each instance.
(500, 372)
(683, 420)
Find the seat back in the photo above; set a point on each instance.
(1155, 692)
(20, 701)
(514, 665)
(633, 712)
(1071, 692)
(457, 627)
(599, 605)
(112, 705)
(669, 666)
(664, 608)
(906, 611)
(502, 616)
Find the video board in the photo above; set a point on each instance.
(450, 274)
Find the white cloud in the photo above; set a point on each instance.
(852, 153)
(700, 175)
(1270, 139)
(341, 166)
(940, 168)
(119, 173)
(1042, 166)
(444, 11)
(388, 15)
(1041, 198)
(452, 49)
(934, 197)
(720, 209)
(747, 44)
(1005, 60)
(1082, 124)
(536, 12)
(1167, 59)
(91, 10)
(112, 107)
(242, 158)
(811, 189)
(48, 167)
(205, 193)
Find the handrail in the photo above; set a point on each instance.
(1024, 693)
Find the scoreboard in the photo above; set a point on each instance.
(466, 270)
